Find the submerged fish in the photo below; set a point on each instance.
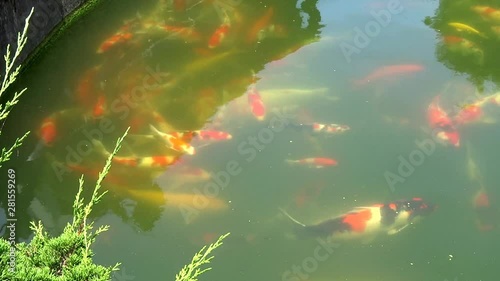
(367, 222)
(438, 119)
(389, 71)
(319, 162)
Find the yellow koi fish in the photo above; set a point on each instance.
(464, 27)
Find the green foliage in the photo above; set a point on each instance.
(8, 79)
(68, 256)
(191, 271)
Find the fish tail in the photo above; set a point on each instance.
(100, 147)
(300, 230)
(290, 162)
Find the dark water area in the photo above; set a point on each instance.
(414, 83)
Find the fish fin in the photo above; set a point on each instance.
(290, 162)
(396, 230)
(36, 152)
(291, 218)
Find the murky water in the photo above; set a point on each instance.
(374, 66)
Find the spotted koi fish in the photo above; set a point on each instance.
(138, 162)
(318, 163)
(367, 222)
(176, 141)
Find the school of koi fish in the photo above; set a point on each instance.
(155, 146)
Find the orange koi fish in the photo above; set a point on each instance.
(99, 107)
(319, 162)
(464, 47)
(85, 92)
(219, 34)
(259, 25)
(367, 222)
(439, 119)
(48, 130)
(117, 38)
(256, 104)
(172, 142)
(389, 71)
(487, 13)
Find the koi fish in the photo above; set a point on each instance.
(181, 175)
(325, 128)
(180, 200)
(314, 162)
(439, 119)
(487, 13)
(256, 104)
(367, 222)
(486, 217)
(138, 162)
(464, 27)
(389, 71)
(173, 142)
(468, 114)
(463, 47)
(219, 34)
(117, 38)
(259, 25)
(208, 135)
(99, 107)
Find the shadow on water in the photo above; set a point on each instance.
(153, 67)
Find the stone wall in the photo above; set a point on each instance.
(47, 15)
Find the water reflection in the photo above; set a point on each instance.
(164, 72)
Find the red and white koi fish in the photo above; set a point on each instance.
(389, 71)
(487, 13)
(173, 142)
(314, 162)
(439, 119)
(367, 222)
(118, 38)
(149, 162)
(256, 104)
(219, 34)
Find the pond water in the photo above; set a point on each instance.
(226, 102)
